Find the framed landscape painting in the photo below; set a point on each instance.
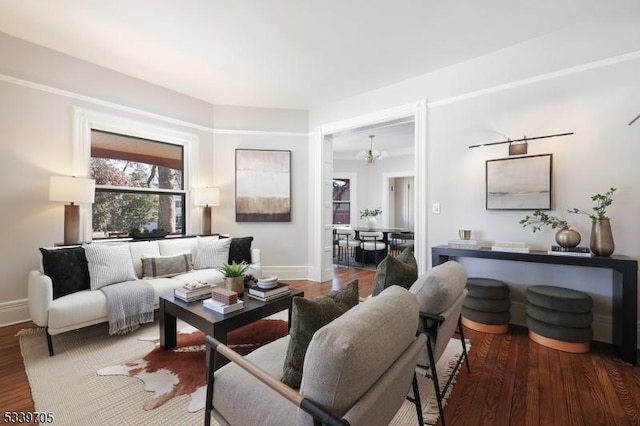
(522, 183)
(263, 185)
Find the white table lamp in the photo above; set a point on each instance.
(73, 190)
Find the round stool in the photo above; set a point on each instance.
(487, 306)
(559, 318)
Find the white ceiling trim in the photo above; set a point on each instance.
(119, 107)
(538, 78)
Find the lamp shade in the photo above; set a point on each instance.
(71, 189)
(206, 196)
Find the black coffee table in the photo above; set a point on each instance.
(213, 323)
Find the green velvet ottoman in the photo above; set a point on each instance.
(487, 306)
(559, 318)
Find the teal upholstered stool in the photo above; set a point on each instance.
(487, 306)
(559, 318)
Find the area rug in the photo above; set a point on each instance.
(67, 384)
(182, 371)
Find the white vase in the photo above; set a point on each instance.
(371, 222)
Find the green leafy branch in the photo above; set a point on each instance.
(600, 210)
(370, 212)
(538, 219)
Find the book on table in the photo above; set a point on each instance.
(221, 307)
(279, 289)
(268, 298)
(570, 251)
(197, 293)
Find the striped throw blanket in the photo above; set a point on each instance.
(129, 304)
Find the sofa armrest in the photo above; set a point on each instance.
(292, 395)
(40, 296)
(255, 268)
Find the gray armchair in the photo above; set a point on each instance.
(440, 294)
(358, 370)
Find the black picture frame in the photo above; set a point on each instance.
(521, 183)
(263, 185)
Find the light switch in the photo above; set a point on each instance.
(436, 208)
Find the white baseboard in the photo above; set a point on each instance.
(287, 272)
(14, 312)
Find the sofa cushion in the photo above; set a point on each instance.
(402, 271)
(210, 275)
(165, 266)
(67, 268)
(437, 289)
(108, 264)
(240, 250)
(169, 246)
(307, 317)
(140, 248)
(211, 253)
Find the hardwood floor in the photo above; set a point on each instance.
(513, 381)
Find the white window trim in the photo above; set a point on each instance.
(85, 119)
(353, 191)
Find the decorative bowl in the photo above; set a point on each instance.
(268, 282)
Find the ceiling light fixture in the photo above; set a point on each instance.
(371, 155)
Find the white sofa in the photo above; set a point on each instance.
(87, 307)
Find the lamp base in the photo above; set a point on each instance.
(206, 220)
(71, 224)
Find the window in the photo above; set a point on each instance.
(139, 185)
(341, 201)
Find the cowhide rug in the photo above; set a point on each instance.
(182, 371)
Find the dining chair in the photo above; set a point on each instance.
(347, 243)
(372, 241)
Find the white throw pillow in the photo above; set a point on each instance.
(212, 253)
(108, 264)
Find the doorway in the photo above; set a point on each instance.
(321, 234)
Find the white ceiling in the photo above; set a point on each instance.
(285, 53)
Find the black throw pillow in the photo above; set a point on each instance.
(240, 250)
(67, 268)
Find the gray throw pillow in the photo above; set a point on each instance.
(108, 264)
(165, 266)
(401, 270)
(307, 317)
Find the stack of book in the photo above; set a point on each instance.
(221, 307)
(511, 246)
(191, 292)
(570, 251)
(464, 244)
(268, 294)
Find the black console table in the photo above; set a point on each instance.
(625, 286)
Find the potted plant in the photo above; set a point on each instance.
(565, 237)
(601, 243)
(370, 216)
(233, 276)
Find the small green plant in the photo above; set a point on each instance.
(600, 210)
(370, 212)
(538, 219)
(234, 269)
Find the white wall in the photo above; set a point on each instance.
(38, 90)
(583, 80)
(371, 183)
